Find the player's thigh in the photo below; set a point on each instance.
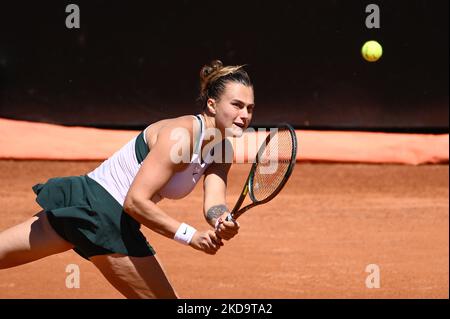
(135, 277)
(31, 240)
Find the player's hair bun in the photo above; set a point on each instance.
(215, 75)
(208, 71)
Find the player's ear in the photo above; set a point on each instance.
(211, 105)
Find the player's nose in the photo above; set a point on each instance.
(244, 114)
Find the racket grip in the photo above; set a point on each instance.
(228, 218)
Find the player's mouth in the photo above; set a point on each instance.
(240, 125)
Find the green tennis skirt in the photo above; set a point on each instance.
(82, 212)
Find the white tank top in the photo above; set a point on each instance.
(118, 172)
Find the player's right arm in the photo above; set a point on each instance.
(156, 170)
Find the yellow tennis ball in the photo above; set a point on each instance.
(371, 51)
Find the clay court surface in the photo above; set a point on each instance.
(313, 241)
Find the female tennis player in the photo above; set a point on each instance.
(99, 214)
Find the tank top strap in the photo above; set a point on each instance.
(202, 135)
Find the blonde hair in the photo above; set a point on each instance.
(214, 76)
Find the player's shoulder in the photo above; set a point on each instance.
(182, 122)
(172, 132)
(168, 127)
(176, 128)
(170, 140)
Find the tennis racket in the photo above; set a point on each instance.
(271, 170)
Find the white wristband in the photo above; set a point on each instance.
(184, 234)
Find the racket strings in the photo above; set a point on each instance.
(273, 164)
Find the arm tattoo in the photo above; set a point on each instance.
(215, 212)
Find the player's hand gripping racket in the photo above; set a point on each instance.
(272, 168)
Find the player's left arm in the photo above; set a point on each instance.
(214, 200)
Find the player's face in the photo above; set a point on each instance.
(234, 109)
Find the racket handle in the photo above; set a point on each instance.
(228, 218)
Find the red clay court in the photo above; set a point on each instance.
(314, 240)
(371, 182)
